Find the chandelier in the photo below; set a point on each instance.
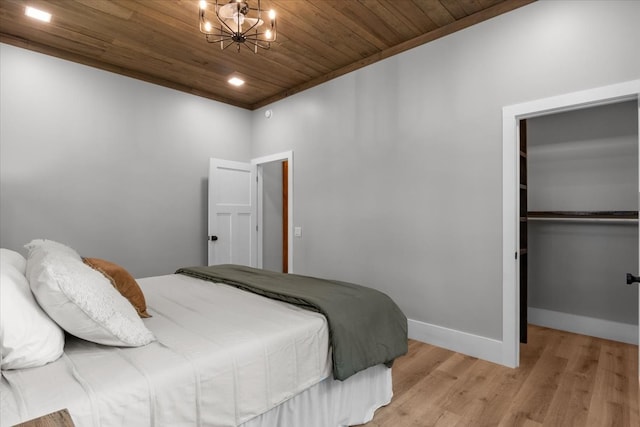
(238, 23)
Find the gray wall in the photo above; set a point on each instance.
(398, 166)
(584, 160)
(114, 167)
(272, 216)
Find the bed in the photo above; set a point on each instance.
(219, 355)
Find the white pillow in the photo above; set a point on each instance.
(39, 248)
(80, 299)
(28, 337)
(7, 256)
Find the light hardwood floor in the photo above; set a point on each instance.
(564, 379)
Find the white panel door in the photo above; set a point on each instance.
(231, 219)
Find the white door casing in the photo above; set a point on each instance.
(511, 115)
(232, 222)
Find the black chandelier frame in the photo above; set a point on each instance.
(251, 38)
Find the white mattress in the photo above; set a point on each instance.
(223, 356)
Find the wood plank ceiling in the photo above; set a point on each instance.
(158, 40)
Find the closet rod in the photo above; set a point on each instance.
(584, 216)
(603, 220)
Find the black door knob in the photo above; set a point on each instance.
(213, 238)
(632, 279)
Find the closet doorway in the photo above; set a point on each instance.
(512, 116)
(580, 224)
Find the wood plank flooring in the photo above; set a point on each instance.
(564, 379)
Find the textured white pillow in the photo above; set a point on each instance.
(39, 248)
(28, 337)
(7, 256)
(80, 299)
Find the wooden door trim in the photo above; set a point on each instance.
(523, 235)
(285, 216)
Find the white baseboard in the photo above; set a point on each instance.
(584, 325)
(461, 342)
(491, 349)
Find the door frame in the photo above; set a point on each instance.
(256, 163)
(511, 116)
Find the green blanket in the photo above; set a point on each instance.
(366, 327)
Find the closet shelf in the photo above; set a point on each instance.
(587, 216)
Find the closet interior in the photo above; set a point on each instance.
(579, 221)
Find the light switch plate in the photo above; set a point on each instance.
(297, 231)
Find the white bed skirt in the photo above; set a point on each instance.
(333, 403)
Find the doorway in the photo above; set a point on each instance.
(512, 115)
(581, 225)
(274, 212)
(273, 215)
(236, 217)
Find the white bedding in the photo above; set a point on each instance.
(222, 357)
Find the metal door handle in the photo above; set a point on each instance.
(213, 238)
(632, 279)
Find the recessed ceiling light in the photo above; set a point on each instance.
(37, 14)
(236, 81)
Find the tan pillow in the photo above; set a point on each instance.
(122, 281)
